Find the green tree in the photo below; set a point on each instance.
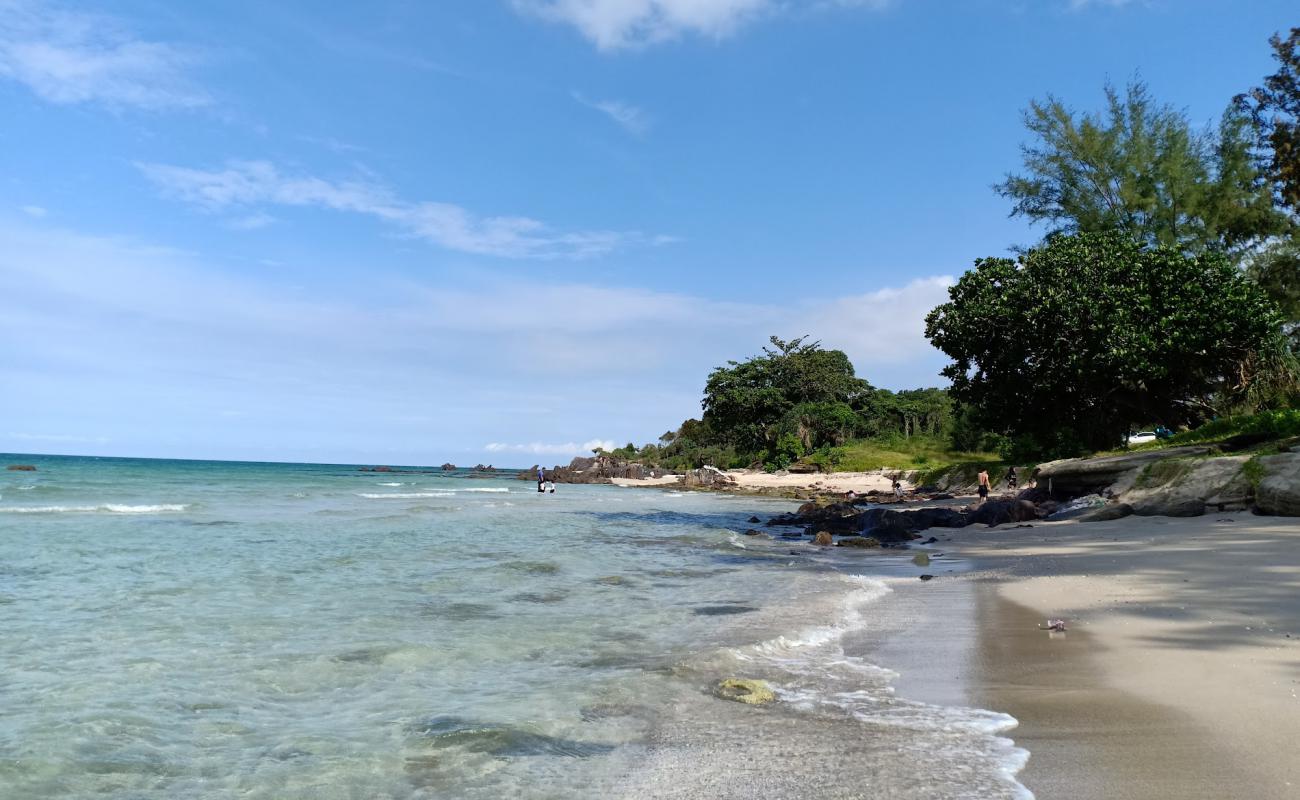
(1275, 110)
(1140, 168)
(1066, 348)
(745, 400)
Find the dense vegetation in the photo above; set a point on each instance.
(1067, 348)
(800, 402)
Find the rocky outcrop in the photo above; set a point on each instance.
(21, 467)
(597, 469)
(1108, 512)
(448, 467)
(1185, 487)
(707, 478)
(484, 468)
(1073, 477)
(1278, 491)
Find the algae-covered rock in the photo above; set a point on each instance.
(858, 541)
(746, 690)
(823, 539)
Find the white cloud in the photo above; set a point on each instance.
(243, 184)
(540, 448)
(71, 57)
(616, 24)
(34, 211)
(383, 367)
(632, 119)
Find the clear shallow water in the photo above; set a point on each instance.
(211, 630)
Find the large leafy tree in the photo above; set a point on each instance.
(1275, 109)
(1066, 348)
(1139, 167)
(745, 401)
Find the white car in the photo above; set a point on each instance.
(1141, 437)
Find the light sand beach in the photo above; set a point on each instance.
(1178, 676)
(827, 482)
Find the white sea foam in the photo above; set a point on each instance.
(403, 495)
(499, 490)
(392, 484)
(106, 508)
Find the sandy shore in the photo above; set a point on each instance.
(837, 482)
(1179, 676)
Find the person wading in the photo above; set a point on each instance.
(984, 485)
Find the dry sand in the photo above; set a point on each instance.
(1179, 676)
(859, 482)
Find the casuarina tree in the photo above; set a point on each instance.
(1066, 348)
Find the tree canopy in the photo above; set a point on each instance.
(1275, 109)
(1066, 348)
(1140, 168)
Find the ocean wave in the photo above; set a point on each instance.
(106, 508)
(483, 490)
(403, 495)
(392, 484)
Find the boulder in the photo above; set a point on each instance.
(1278, 491)
(448, 467)
(1077, 507)
(707, 478)
(823, 539)
(1000, 512)
(745, 690)
(1184, 487)
(1107, 512)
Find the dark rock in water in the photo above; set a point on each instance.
(723, 610)
(1107, 513)
(598, 469)
(21, 467)
(931, 540)
(792, 536)
(533, 567)
(752, 532)
(823, 539)
(501, 740)
(459, 612)
(482, 468)
(927, 577)
(754, 520)
(858, 541)
(448, 467)
(1000, 512)
(942, 496)
(540, 597)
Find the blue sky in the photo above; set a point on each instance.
(500, 230)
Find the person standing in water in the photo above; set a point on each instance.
(541, 479)
(984, 485)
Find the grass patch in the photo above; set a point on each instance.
(1277, 424)
(1161, 473)
(918, 452)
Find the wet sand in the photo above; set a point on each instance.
(1178, 677)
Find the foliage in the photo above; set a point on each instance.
(1063, 350)
(746, 402)
(1275, 110)
(1278, 423)
(898, 452)
(1140, 168)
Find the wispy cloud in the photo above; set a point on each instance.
(71, 57)
(248, 184)
(34, 211)
(542, 448)
(631, 118)
(617, 24)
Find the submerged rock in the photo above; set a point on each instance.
(501, 740)
(823, 539)
(21, 467)
(858, 541)
(746, 690)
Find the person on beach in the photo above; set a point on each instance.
(1012, 478)
(984, 485)
(898, 489)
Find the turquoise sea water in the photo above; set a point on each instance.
(176, 629)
